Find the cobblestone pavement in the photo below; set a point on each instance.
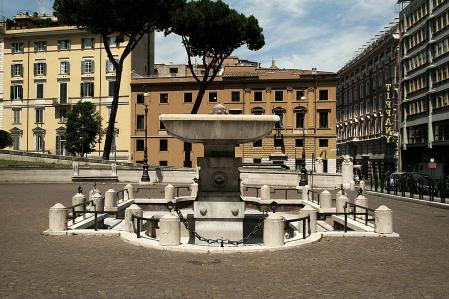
(34, 266)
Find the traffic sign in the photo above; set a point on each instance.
(432, 165)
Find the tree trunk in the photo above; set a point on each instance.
(114, 107)
(199, 98)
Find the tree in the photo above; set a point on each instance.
(83, 128)
(5, 139)
(130, 19)
(211, 30)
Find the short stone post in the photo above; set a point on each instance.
(76, 168)
(352, 185)
(383, 220)
(114, 169)
(169, 192)
(305, 192)
(273, 231)
(347, 171)
(361, 201)
(265, 192)
(362, 185)
(169, 230)
(319, 165)
(325, 200)
(98, 200)
(57, 218)
(129, 193)
(340, 203)
(78, 198)
(194, 190)
(110, 200)
(309, 211)
(129, 212)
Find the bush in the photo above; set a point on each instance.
(5, 139)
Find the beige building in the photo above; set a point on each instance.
(305, 100)
(48, 68)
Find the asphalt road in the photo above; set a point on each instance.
(416, 265)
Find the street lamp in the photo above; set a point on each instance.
(81, 130)
(303, 178)
(145, 176)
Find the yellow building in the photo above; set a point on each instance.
(48, 68)
(304, 99)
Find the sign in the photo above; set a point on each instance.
(388, 123)
(432, 165)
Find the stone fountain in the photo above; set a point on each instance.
(218, 209)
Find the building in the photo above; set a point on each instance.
(424, 27)
(304, 100)
(367, 106)
(49, 67)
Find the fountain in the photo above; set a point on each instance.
(218, 209)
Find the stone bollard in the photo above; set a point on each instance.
(265, 192)
(363, 202)
(129, 194)
(347, 171)
(352, 185)
(309, 211)
(98, 200)
(383, 220)
(76, 168)
(129, 212)
(340, 204)
(273, 231)
(194, 190)
(169, 230)
(325, 200)
(110, 200)
(57, 218)
(169, 192)
(305, 192)
(78, 199)
(113, 169)
(362, 185)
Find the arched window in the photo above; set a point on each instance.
(300, 113)
(279, 111)
(258, 111)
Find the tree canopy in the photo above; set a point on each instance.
(129, 19)
(211, 30)
(5, 139)
(83, 128)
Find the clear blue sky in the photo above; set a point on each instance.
(298, 33)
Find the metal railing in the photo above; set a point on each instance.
(120, 195)
(367, 212)
(153, 222)
(304, 220)
(75, 212)
(312, 198)
(285, 190)
(247, 188)
(177, 188)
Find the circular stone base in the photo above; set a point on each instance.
(145, 241)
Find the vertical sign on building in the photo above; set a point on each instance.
(388, 124)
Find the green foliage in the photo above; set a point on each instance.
(211, 30)
(5, 139)
(83, 128)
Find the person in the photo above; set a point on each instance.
(356, 179)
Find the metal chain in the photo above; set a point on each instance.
(222, 241)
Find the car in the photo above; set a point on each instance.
(393, 178)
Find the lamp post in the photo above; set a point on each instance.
(81, 130)
(303, 178)
(145, 176)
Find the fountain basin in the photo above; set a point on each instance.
(218, 128)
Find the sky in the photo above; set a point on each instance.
(298, 33)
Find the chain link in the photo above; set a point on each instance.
(222, 241)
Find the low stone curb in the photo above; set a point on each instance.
(412, 200)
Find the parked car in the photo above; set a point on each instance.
(392, 178)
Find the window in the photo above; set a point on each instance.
(324, 124)
(16, 92)
(161, 125)
(111, 86)
(140, 98)
(140, 124)
(63, 92)
(88, 43)
(173, 71)
(140, 145)
(163, 98)
(40, 68)
(257, 160)
(87, 89)
(17, 47)
(187, 147)
(39, 143)
(87, 66)
(212, 97)
(39, 115)
(258, 96)
(16, 69)
(257, 111)
(187, 97)
(113, 41)
(62, 115)
(39, 90)
(235, 96)
(16, 142)
(40, 46)
(279, 112)
(163, 163)
(324, 142)
(257, 143)
(163, 145)
(300, 94)
(63, 44)
(300, 117)
(110, 68)
(279, 95)
(299, 142)
(324, 95)
(64, 67)
(235, 111)
(16, 115)
(278, 142)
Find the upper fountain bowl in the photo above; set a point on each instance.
(218, 128)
